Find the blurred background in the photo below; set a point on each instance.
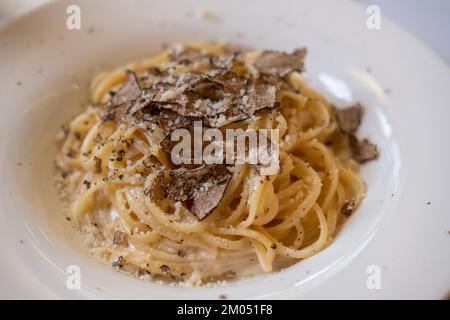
(428, 20)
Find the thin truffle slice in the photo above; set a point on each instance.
(226, 62)
(349, 119)
(279, 83)
(232, 83)
(209, 89)
(187, 183)
(130, 90)
(242, 98)
(186, 54)
(151, 97)
(364, 150)
(154, 185)
(163, 114)
(260, 96)
(208, 200)
(169, 120)
(123, 98)
(152, 162)
(280, 63)
(197, 187)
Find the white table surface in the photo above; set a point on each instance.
(429, 20)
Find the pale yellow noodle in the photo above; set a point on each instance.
(291, 215)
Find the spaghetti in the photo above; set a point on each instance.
(261, 224)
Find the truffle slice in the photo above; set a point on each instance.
(186, 54)
(166, 119)
(364, 150)
(230, 113)
(279, 83)
(280, 63)
(129, 91)
(187, 183)
(349, 118)
(232, 83)
(209, 89)
(242, 99)
(207, 201)
(152, 162)
(153, 75)
(154, 185)
(123, 98)
(164, 114)
(169, 120)
(158, 94)
(202, 188)
(260, 96)
(226, 62)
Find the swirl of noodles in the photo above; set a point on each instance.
(261, 224)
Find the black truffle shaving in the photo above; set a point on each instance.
(364, 150)
(188, 55)
(280, 63)
(123, 98)
(201, 189)
(349, 119)
(154, 185)
(207, 201)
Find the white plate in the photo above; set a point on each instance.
(45, 69)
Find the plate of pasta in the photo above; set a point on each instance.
(188, 150)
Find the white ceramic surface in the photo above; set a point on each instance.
(45, 71)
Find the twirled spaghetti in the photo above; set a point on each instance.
(262, 223)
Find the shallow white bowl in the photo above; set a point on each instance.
(46, 69)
